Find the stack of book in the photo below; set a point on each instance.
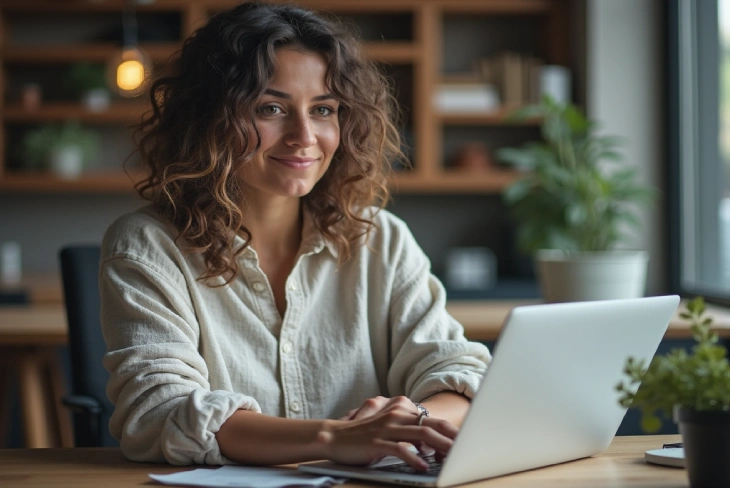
(516, 76)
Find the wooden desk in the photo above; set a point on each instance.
(29, 334)
(482, 320)
(45, 324)
(40, 287)
(622, 465)
(29, 340)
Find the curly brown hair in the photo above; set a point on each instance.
(201, 130)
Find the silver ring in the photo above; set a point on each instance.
(419, 419)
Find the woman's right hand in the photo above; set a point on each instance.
(384, 434)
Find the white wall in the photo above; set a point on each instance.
(625, 82)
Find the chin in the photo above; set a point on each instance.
(297, 189)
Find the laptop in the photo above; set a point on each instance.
(547, 397)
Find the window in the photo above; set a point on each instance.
(699, 147)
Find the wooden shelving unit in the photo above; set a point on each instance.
(118, 113)
(405, 36)
(495, 118)
(76, 53)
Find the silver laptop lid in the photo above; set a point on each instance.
(549, 395)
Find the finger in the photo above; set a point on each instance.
(369, 408)
(423, 449)
(415, 434)
(444, 427)
(402, 452)
(349, 415)
(403, 403)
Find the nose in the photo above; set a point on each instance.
(301, 131)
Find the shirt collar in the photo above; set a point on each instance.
(313, 241)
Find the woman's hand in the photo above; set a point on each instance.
(371, 406)
(375, 433)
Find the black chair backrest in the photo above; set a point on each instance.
(80, 275)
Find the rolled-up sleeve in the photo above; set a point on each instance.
(164, 408)
(428, 350)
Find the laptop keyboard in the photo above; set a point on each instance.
(434, 467)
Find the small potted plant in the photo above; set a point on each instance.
(65, 149)
(572, 207)
(88, 82)
(694, 387)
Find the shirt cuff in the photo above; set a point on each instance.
(188, 436)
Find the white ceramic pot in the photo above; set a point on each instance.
(584, 276)
(96, 100)
(66, 161)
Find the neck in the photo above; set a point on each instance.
(276, 228)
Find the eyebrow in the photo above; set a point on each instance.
(318, 98)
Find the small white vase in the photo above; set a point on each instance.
(96, 100)
(584, 276)
(66, 161)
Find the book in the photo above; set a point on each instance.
(466, 96)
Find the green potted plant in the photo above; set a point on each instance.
(572, 207)
(65, 149)
(88, 82)
(693, 386)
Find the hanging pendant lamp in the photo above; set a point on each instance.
(129, 69)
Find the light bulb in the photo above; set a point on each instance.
(130, 75)
(129, 71)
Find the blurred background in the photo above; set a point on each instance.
(70, 73)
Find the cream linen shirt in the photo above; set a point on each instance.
(184, 357)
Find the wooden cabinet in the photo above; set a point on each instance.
(417, 42)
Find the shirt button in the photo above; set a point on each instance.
(287, 347)
(294, 406)
(259, 287)
(293, 286)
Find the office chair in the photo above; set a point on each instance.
(88, 401)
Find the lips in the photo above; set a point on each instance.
(294, 162)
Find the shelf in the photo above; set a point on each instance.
(101, 182)
(454, 181)
(56, 112)
(72, 53)
(498, 117)
(505, 7)
(85, 6)
(392, 52)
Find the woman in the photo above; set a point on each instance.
(261, 310)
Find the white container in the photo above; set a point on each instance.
(67, 161)
(96, 100)
(470, 268)
(577, 277)
(10, 263)
(555, 82)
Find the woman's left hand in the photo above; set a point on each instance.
(371, 406)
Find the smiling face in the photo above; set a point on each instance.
(298, 128)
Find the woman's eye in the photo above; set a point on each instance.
(324, 111)
(269, 110)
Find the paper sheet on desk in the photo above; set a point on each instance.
(245, 477)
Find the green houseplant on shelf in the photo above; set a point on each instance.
(573, 205)
(694, 387)
(88, 82)
(64, 149)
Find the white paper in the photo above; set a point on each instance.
(245, 477)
